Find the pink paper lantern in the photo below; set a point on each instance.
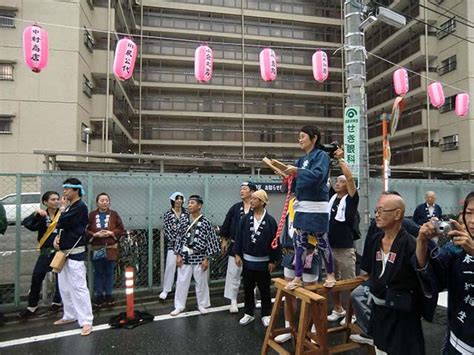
(35, 47)
(400, 81)
(124, 61)
(320, 66)
(268, 65)
(203, 63)
(436, 94)
(462, 104)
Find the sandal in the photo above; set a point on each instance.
(86, 330)
(64, 321)
(293, 285)
(329, 283)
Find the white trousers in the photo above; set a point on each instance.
(170, 270)
(184, 280)
(232, 279)
(74, 292)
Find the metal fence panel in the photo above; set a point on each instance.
(141, 200)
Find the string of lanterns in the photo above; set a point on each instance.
(35, 50)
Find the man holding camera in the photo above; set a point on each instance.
(343, 210)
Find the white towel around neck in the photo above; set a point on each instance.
(341, 208)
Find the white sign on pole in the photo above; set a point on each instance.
(351, 139)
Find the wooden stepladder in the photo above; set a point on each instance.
(313, 306)
(313, 310)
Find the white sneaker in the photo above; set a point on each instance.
(163, 295)
(343, 321)
(266, 321)
(283, 338)
(334, 316)
(357, 338)
(203, 310)
(233, 307)
(258, 304)
(246, 319)
(176, 312)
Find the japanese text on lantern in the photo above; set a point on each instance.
(127, 60)
(36, 44)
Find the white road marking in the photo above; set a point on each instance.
(44, 337)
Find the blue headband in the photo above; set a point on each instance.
(175, 195)
(71, 186)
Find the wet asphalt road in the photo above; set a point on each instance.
(215, 333)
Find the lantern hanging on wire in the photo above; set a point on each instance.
(268, 65)
(462, 104)
(203, 63)
(124, 60)
(35, 47)
(436, 94)
(400, 82)
(320, 66)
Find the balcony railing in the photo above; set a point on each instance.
(408, 119)
(322, 8)
(234, 105)
(285, 82)
(222, 51)
(378, 95)
(412, 46)
(260, 27)
(384, 31)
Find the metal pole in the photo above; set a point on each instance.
(243, 77)
(354, 42)
(107, 89)
(87, 145)
(427, 65)
(385, 151)
(140, 83)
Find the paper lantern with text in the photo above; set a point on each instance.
(124, 60)
(35, 47)
(268, 65)
(462, 104)
(436, 94)
(203, 63)
(320, 66)
(400, 82)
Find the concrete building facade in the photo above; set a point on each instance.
(163, 110)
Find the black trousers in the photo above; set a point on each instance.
(262, 280)
(39, 273)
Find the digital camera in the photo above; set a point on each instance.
(330, 148)
(443, 227)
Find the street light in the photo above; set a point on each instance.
(87, 131)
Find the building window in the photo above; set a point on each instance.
(450, 143)
(447, 65)
(447, 28)
(6, 71)
(88, 40)
(7, 19)
(87, 86)
(6, 124)
(449, 104)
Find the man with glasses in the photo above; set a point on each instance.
(394, 288)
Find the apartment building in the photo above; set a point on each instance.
(432, 44)
(163, 109)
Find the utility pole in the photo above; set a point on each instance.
(354, 45)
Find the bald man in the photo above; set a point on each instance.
(424, 212)
(395, 321)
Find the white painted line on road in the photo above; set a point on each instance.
(100, 327)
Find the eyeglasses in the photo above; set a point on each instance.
(381, 210)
